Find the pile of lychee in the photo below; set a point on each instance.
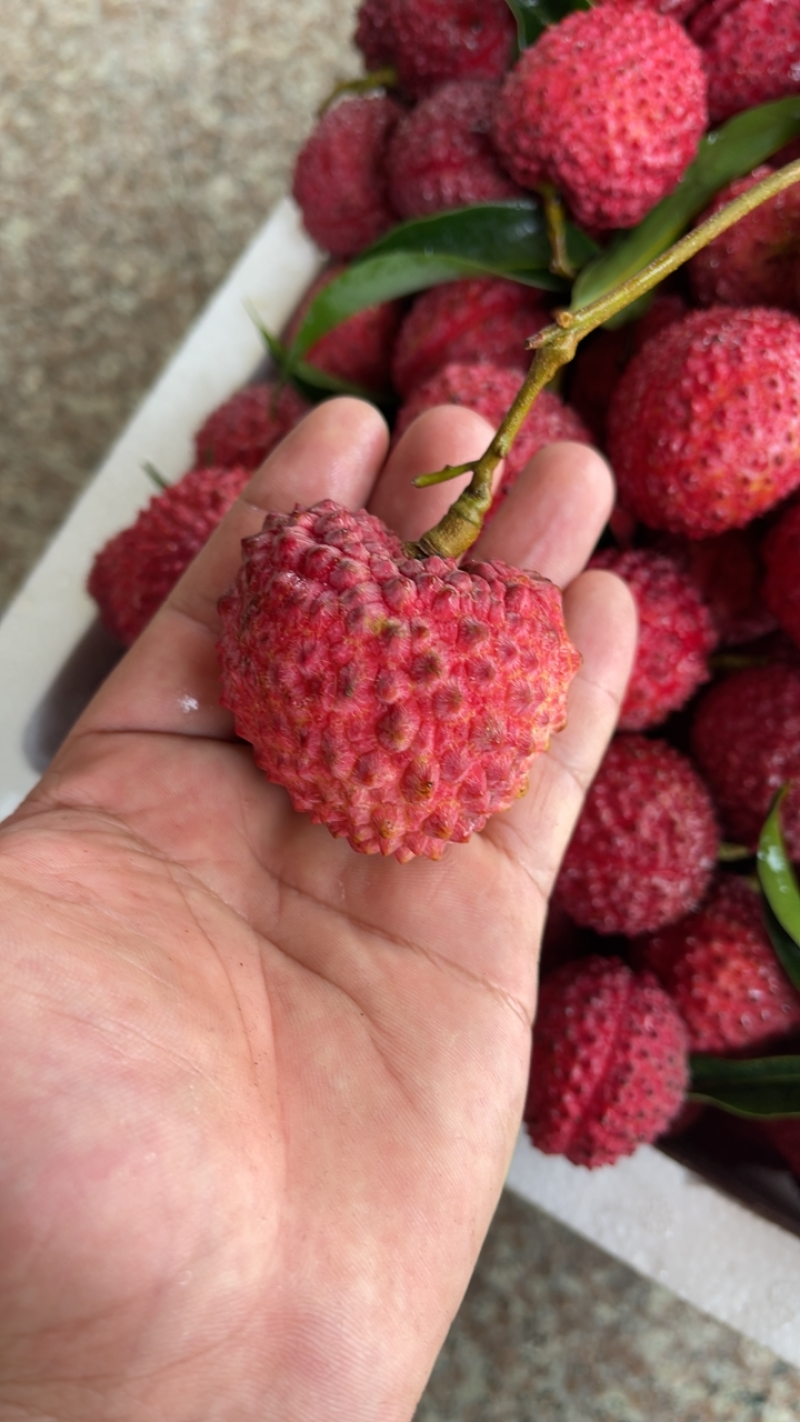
(401, 699)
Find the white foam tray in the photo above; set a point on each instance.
(654, 1214)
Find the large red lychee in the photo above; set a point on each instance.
(704, 425)
(135, 571)
(434, 41)
(609, 1070)
(757, 261)
(722, 973)
(609, 106)
(780, 551)
(645, 844)
(340, 179)
(244, 429)
(400, 701)
(751, 51)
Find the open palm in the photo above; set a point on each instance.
(258, 1093)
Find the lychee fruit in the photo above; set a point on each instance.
(746, 739)
(781, 586)
(438, 40)
(340, 181)
(476, 319)
(756, 262)
(645, 845)
(751, 51)
(704, 424)
(609, 106)
(441, 154)
(728, 571)
(400, 701)
(722, 973)
(676, 635)
(136, 570)
(609, 1070)
(374, 34)
(244, 429)
(358, 350)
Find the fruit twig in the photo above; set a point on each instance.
(378, 79)
(556, 224)
(554, 346)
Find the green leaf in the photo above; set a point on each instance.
(729, 152)
(533, 17)
(787, 951)
(775, 872)
(760, 1087)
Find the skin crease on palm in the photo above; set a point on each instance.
(258, 1093)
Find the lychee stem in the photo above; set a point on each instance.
(554, 346)
(377, 79)
(555, 222)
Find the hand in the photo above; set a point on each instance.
(258, 1093)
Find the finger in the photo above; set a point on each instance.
(168, 681)
(554, 514)
(601, 620)
(445, 435)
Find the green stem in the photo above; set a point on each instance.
(378, 79)
(555, 222)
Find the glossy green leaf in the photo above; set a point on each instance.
(787, 951)
(775, 872)
(763, 1086)
(729, 152)
(533, 17)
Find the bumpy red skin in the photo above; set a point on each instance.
(676, 635)
(400, 702)
(757, 261)
(609, 1070)
(751, 51)
(360, 349)
(340, 175)
(746, 740)
(137, 569)
(704, 425)
(722, 973)
(780, 551)
(478, 319)
(679, 9)
(644, 847)
(609, 105)
(441, 154)
(728, 571)
(439, 40)
(489, 390)
(374, 35)
(244, 429)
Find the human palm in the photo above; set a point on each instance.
(258, 1093)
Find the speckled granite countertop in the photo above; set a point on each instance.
(142, 144)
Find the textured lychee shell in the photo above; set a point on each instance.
(358, 350)
(136, 570)
(245, 428)
(609, 105)
(399, 701)
(340, 175)
(780, 551)
(477, 319)
(722, 973)
(609, 1070)
(676, 635)
(728, 571)
(489, 390)
(645, 844)
(746, 740)
(704, 424)
(438, 40)
(374, 35)
(441, 154)
(751, 51)
(757, 261)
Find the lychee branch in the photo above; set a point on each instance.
(554, 347)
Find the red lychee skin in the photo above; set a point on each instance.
(340, 175)
(757, 261)
(489, 390)
(644, 848)
(439, 40)
(728, 571)
(781, 583)
(441, 154)
(245, 429)
(678, 9)
(609, 1070)
(751, 50)
(477, 319)
(399, 701)
(746, 739)
(358, 350)
(676, 635)
(374, 35)
(609, 105)
(722, 973)
(704, 424)
(135, 571)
